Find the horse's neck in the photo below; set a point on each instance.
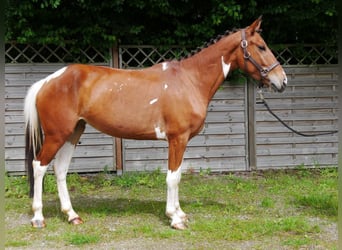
(207, 68)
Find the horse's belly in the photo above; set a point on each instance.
(129, 126)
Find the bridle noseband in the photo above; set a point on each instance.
(247, 56)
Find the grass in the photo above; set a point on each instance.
(294, 209)
(81, 239)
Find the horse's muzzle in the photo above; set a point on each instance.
(277, 89)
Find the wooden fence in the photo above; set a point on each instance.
(238, 133)
(310, 105)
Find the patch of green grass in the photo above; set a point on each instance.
(237, 229)
(50, 185)
(16, 243)
(128, 180)
(271, 209)
(297, 242)
(296, 225)
(82, 239)
(16, 186)
(267, 202)
(319, 203)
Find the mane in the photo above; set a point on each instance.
(210, 42)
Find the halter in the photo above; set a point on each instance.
(263, 71)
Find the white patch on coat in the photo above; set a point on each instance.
(55, 75)
(166, 86)
(153, 101)
(225, 68)
(120, 87)
(160, 134)
(165, 66)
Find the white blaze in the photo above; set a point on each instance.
(225, 68)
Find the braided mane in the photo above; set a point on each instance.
(211, 42)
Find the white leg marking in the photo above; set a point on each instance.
(159, 134)
(63, 158)
(37, 205)
(225, 67)
(173, 209)
(165, 66)
(153, 101)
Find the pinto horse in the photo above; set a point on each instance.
(167, 101)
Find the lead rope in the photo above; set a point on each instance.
(263, 101)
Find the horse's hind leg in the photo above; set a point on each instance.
(37, 204)
(40, 165)
(62, 161)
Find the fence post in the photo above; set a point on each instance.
(251, 140)
(117, 150)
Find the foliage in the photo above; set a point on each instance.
(306, 21)
(166, 22)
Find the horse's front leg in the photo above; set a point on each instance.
(173, 209)
(63, 158)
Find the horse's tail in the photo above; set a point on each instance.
(33, 131)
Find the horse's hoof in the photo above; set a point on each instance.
(38, 223)
(185, 219)
(76, 221)
(179, 226)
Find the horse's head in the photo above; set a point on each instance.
(257, 60)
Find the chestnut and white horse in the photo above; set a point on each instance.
(167, 101)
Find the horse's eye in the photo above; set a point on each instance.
(262, 47)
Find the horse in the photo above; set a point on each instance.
(167, 101)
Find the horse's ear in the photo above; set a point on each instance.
(255, 26)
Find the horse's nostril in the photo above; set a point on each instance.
(277, 89)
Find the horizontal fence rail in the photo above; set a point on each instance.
(28, 53)
(229, 136)
(133, 56)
